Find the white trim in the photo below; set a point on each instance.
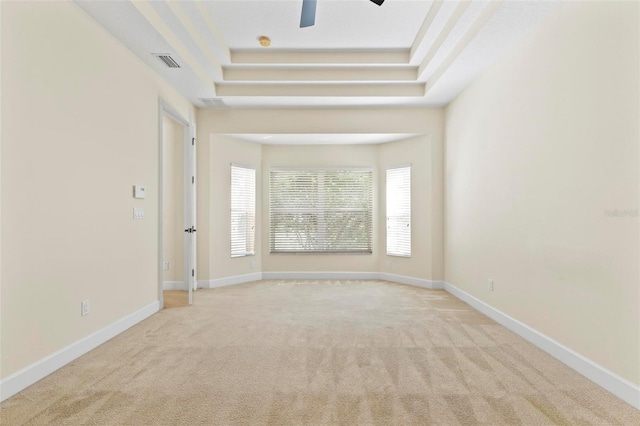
(320, 169)
(165, 109)
(401, 166)
(417, 282)
(620, 387)
(302, 275)
(168, 110)
(243, 166)
(29, 375)
(320, 275)
(174, 285)
(401, 279)
(236, 279)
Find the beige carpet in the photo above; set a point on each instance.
(317, 352)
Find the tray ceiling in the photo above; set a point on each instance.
(403, 53)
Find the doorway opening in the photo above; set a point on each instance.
(176, 254)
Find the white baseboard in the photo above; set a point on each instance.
(402, 279)
(24, 378)
(620, 387)
(174, 285)
(320, 275)
(301, 275)
(417, 282)
(236, 279)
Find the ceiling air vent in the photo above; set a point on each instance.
(168, 60)
(213, 102)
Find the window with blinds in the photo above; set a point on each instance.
(320, 211)
(399, 211)
(243, 210)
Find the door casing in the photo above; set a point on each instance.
(189, 242)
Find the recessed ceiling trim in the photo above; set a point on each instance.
(478, 24)
(321, 73)
(328, 102)
(213, 28)
(273, 56)
(433, 12)
(321, 89)
(180, 14)
(321, 138)
(147, 11)
(356, 59)
(451, 23)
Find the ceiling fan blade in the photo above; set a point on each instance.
(378, 2)
(308, 17)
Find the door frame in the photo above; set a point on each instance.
(165, 110)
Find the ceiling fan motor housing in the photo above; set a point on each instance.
(308, 16)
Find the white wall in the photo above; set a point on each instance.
(173, 199)
(81, 131)
(537, 151)
(1, 134)
(216, 152)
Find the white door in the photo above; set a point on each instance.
(190, 276)
(189, 204)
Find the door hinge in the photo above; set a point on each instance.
(193, 141)
(193, 179)
(193, 273)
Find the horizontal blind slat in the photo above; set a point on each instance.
(399, 211)
(320, 211)
(243, 210)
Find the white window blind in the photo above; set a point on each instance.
(243, 210)
(399, 211)
(320, 211)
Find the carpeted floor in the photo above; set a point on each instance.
(317, 352)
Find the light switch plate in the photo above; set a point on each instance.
(138, 213)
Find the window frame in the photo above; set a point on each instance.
(248, 208)
(398, 225)
(319, 210)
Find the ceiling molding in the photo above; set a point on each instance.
(321, 89)
(437, 44)
(321, 138)
(213, 28)
(406, 53)
(319, 73)
(426, 24)
(478, 24)
(179, 12)
(347, 56)
(146, 10)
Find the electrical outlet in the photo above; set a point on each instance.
(84, 308)
(165, 265)
(389, 264)
(490, 282)
(252, 264)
